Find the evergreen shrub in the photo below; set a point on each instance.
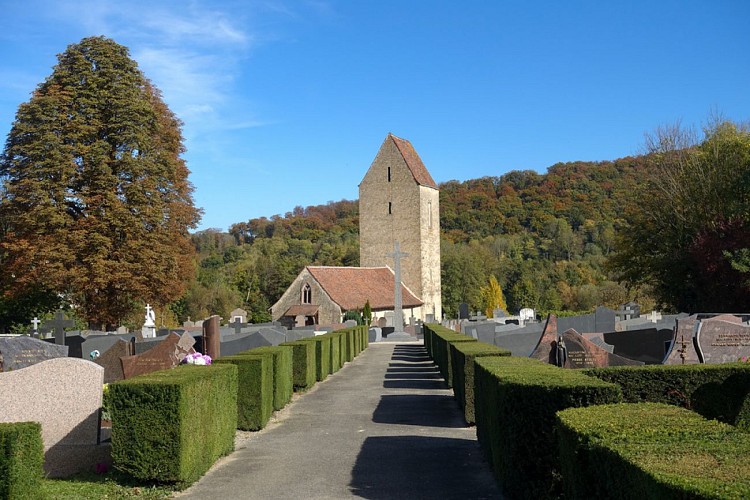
(462, 364)
(303, 364)
(441, 338)
(516, 400)
(21, 460)
(170, 426)
(282, 372)
(720, 392)
(322, 355)
(255, 389)
(651, 450)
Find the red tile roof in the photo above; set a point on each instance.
(351, 287)
(302, 310)
(414, 162)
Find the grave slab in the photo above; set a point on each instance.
(167, 354)
(721, 341)
(20, 352)
(64, 395)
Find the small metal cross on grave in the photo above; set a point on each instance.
(59, 324)
(683, 349)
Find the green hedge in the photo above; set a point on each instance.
(651, 450)
(255, 389)
(462, 363)
(322, 355)
(720, 392)
(334, 362)
(303, 364)
(172, 425)
(441, 338)
(21, 460)
(282, 372)
(516, 402)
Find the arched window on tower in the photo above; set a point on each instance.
(306, 294)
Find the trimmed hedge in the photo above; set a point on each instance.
(720, 392)
(303, 364)
(516, 402)
(441, 339)
(334, 362)
(651, 450)
(462, 363)
(282, 372)
(21, 460)
(255, 389)
(170, 426)
(322, 355)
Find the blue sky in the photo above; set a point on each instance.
(286, 103)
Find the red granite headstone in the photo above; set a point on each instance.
(167, 354)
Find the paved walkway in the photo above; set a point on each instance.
(383, 427)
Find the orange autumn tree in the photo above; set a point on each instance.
(97, 204)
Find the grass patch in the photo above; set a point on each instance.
(112, 485)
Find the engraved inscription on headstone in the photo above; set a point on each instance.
(20, 352)
(722, 342)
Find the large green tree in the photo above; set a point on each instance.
(690, 229)
(96, 204)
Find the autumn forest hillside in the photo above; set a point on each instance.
(545, 237)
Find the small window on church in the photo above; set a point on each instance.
(429, 214)
(389, 174)
(306, 294)
(390, 208)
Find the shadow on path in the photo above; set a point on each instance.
(394, 467)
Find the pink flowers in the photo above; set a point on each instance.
(196, 358)
(744, 359)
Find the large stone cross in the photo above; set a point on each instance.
(36, 321)
(59, 324)
(398, 314)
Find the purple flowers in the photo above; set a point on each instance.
(196, 358)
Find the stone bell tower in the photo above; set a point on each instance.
(399, 201)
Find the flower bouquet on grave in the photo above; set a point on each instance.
(744, 359)
(196, 358)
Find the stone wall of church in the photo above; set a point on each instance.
(329, 312)
(393, 207)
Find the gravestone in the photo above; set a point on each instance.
(110, 360)
(547, 347)
(649, 345)
(273, 336)
(238, 314)
(721, 341)
(498, 313)
(36, 322)
(572, 350)
(374, 334)
(74, 341)
(102, 343)
(582, 353)
(350, 323)
(382, 322)
(682, 350)
(527, 314)
(64, 395)
(20, 352)
(212, 337)
(463, 311)
(167, 354)
(233, 344)
(58, 325)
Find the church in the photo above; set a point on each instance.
(398, 202)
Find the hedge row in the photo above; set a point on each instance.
(651, 450)
(463, 355)
(21, 460)
(515, 417)
(172, 425)
(720, 392)
(439, 339)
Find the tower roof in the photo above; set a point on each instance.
(414, 162)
